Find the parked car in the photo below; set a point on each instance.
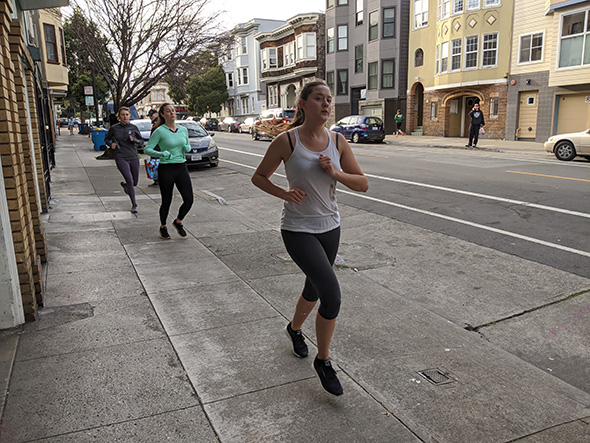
(204, 149)
(246, 125)
(230, 124)
(63, 122)
(145, 128)
(359, 128)
(272, 122)
(210, 124)
(568, 146)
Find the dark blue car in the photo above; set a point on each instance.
(360, 128)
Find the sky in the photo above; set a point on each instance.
(241, 11)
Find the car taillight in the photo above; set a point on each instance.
(285, 121)
(364, 126)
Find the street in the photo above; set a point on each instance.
(537, 208)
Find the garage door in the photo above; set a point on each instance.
(573, 112)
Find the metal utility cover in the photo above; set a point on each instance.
(436, 376)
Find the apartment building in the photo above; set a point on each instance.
(157, 96)
(366, 57)
(549, 88)
(242, 66)
(459, 54)
(291, 55)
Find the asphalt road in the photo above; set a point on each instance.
(536, 208)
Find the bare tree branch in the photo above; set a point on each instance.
(142, 41)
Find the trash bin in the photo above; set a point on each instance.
(84, 129)
(98, 135)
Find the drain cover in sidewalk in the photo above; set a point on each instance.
(436, 376)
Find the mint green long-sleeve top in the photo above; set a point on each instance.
(172, 144)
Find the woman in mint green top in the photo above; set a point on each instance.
(173, 142)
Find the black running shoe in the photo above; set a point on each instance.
(299, 346)
(328, 376)
(179, 228)
(164, 233)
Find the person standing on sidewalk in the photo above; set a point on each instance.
(122, 138)
(71, 125)
(315, 160)
(399, 118)
(173, 142)
(153, 115)
(477, 122)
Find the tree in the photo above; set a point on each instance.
(136, 43)
(207, 92)
(195, 65)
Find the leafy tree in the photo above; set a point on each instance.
(136, 43)
(207, 92)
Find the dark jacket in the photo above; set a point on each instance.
(477, 118)
(121, 134)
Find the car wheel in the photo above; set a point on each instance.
(355, 137)
(565, 151)
(213, 165)
(255, 135)
(239, 130)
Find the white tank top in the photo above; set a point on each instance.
(318, 211)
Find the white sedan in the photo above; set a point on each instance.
(568, 146)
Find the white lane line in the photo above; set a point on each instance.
(486, 196)
(453, 219)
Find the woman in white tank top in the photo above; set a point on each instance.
(315, 161)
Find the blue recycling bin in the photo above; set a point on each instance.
(98, 135)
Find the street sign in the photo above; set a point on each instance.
(89, 100)
(88, 90)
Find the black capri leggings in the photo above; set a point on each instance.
(315, 255)
(174, 174)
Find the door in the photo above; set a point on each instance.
(455, 120)
(418, 105)
(355, 96)
(527, 115)
(469, 102)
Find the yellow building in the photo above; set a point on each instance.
(459, 55)
(549, 90)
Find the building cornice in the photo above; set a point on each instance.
(291, 75)
(288, 29)
(467, 84)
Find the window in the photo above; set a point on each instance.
(330, 40)
(494, 103)
(488, 3)
(62, 44)
(490, 49)
(230, 79)
(272, 95)
(456, 54)
(310, 45)
(50, 43)
(373, 76)
(574, 47)
(269, 58)
(299, 40)
(373, 25)
(158, 96)
(471, 44)
(342, 82)
(420, 13)
(359, 12)
(342, 37)
(330, 80)
(444, 57)
(434, 111)
(244, 46)
(530, 101)
(473, 4)
(387, 74)
(437, 60)
(531, 48)
(245, 105)
(457, 6)
(358, 58)
(329, 4)
(418, 57)
(444, 9)
(243, 76)
(388, 22)
(342, 2)
(289, 52)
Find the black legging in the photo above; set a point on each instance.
(174, 174)
(473, 134)
(315, 255)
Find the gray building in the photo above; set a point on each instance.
(367, 57)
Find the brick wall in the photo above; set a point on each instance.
(20, 173)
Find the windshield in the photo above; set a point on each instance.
(289, 113)
(143, 126)
(194, 130)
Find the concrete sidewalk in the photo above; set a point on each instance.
(146, 340)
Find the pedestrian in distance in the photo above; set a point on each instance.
(123, 138)
(477, 122)
(153, 116)
(399, 118)
(173, 142)
(315, 160)
(71, 125)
